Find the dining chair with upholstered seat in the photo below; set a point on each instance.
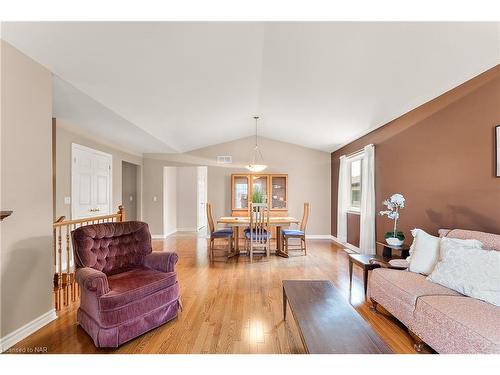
(218, 234)
(257, 236)
(297, 233)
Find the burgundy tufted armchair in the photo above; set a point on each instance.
(126, 288)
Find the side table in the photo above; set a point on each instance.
(368, 263)
(388, 250)
(363, 261)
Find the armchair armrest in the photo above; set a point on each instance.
(161, 261)
(92, 280)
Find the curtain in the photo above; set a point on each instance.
(367, 219)
(343, 199)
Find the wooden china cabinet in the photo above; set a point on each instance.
(274, 187)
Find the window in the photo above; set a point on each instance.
(355, 184)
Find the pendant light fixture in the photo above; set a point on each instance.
(257, 165)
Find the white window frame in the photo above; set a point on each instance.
(358, 156)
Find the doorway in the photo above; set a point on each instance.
(130, 193)
(185, 191)
(91, 173)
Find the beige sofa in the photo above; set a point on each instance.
(445, 320)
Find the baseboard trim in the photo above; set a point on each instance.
(318, 237)
(345, 244)
(170, 233)
(163, 236)
(187, 229)
(14, 337)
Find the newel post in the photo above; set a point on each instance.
(121, 212)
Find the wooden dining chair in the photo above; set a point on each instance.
(218, 234)
(257, 236)
(297, 233)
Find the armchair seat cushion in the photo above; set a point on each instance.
(292, 233)
(123, 312)
(256, 236)
(132, 285)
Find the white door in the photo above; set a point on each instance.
(91, 182)
(202, 197)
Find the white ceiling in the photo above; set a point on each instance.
(178, 86)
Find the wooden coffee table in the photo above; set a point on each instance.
(327, 323)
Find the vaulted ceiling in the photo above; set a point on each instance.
(178, 86)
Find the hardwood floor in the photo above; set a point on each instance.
(230, 307)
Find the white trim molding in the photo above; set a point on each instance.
(187, 229)
(163, 236)
(14, 337)
(318, 237)
(158, 236)
(345, 244)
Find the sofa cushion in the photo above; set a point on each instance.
(408, 286)
(135, 284)
(457, 324)
(397, 291)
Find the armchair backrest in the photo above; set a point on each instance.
(111, 247)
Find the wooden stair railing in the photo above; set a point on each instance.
(64, 272)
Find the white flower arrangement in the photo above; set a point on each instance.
(394, 204)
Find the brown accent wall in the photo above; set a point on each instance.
(353, 229)
(441, 157)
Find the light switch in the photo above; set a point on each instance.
(155, 198)
(131, 198)
(67, 200)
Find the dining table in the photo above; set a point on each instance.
(237, 222)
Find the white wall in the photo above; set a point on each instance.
(187, 198)
(308, 178)
(26, 187)
(169, 201)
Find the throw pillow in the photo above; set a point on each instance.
(424, 252)
(468, 270)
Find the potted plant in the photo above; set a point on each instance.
(394, 204)
(258, 196)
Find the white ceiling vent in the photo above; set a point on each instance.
(224, 159)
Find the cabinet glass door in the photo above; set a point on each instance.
(259, 189)
(278, 192)
(240, 192)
